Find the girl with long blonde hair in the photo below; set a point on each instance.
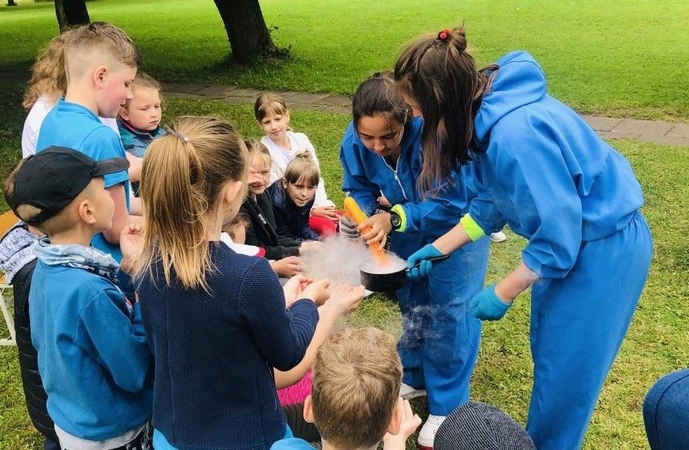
(217, 322)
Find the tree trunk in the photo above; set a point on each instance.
(11, 3)
(71, 13)
(246, 30)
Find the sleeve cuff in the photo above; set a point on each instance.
(403, 217)
(474, 231)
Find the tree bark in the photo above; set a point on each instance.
(246, 30)
(11, 3)
(71, 13)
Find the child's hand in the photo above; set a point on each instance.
(410, 422)
(131, 245)
(344, 298)
(294, 287)
(318, 291)
(310, 246)
(286, 267)
(329, 212)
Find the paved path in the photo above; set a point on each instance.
(609, 128)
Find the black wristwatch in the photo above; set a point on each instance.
(395, 220)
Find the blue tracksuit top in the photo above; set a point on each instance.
(366, 175)
(545, 171)
(92, 352)
(74, 126)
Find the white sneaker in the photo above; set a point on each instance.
(427, 433)
(498, 237)
(407, 392)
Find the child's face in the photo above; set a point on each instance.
(300, 192)
(259, 174)
(114, 86)
(275, 125)
(144, 111)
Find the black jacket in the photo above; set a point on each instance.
(261, 231)
(28, 357)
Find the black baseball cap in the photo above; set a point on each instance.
(52, 178)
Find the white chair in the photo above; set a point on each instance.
(7, 221)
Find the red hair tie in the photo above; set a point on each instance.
(444, 34)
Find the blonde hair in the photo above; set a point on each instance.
(98, 42)
(255, 148)
(186, 172)
(269, 103)
(142, 80)
(302, 167)
(356, 381)
(48, 78)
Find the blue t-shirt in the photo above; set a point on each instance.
(75, 126)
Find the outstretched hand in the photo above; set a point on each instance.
(418, 263)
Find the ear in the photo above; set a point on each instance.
(397, 415)
(284, 182)
(308, 409)
(86, 212)
(99, 75)
(288, 116)
(232, 190)
(124, 113)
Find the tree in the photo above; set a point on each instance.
(71, 13)
(11, 3)
(246, 30)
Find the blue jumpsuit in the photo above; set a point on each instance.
(440, 339)
(576, 200)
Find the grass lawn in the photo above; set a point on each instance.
(656, 343)
(624, 58)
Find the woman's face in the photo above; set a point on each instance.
(259, 174)
(300, 192)
(381, 135)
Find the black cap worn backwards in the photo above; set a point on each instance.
(52, 178)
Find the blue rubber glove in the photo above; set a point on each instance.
(418, 265)
(488, 306)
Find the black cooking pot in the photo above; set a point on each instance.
(388, 278)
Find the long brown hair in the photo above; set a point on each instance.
(440, 75)
(183, 177)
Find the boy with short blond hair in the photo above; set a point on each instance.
(139, 117)
(93, 356)
(100, 62)
(354, 401)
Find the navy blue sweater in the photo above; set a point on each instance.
(214, 354)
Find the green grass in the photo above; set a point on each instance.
(655, 345)
(613, 58)
(609, 58)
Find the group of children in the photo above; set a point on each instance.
(162, 335)
(99, 338)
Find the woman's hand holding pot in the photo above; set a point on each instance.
(418, 263)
